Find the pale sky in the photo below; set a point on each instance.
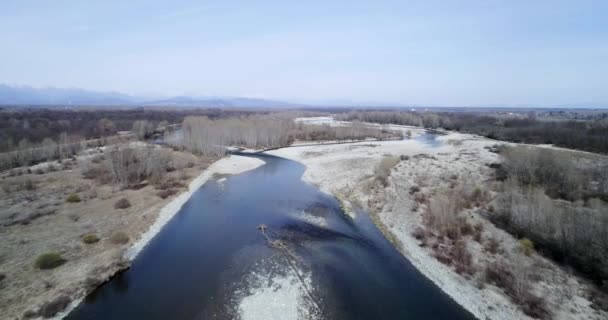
(485, 52)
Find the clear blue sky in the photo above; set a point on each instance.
(484, 52)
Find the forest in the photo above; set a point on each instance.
(589, 134)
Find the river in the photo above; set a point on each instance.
(212, 262)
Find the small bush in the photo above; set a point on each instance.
(73, 198)
(123, 203)
(478, 231)
(49, 260)
(462, 258)
(420, 197)
(414, 189)
(90, 239)
(465, 226)
(419, 233)
(52, 307)
(599, 299)
(2, 276)
(527, 246)
(492, 246)
(166, 193)
(383, 169)
(497, 274)
(119, 237)
(29, 185)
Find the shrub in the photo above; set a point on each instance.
(465, 226)
(419, 233)
(123, 203)
(119, 237)
(492, 246)
(420, 197)
(52, 307)
(527, 246)
(533, 305)
(478, 231)
(598, 299)
(29, 185)
(462, 258)
(166, 193)
(90, 239)
(49, 260)
(73, 198)
(414, 189)
(497, 274)
(383, 169)
(2, 276)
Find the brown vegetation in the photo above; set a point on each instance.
(585, 134)
(383, 169)
(571, 231)
(122, 203)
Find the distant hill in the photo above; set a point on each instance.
(25, 95)
(221, 103)
(10, 95)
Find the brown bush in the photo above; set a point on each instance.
(497, 274)
(122, 203)
(462, 258)
(598, 299)
(420, 197)
(414, 189)
(52, 307)
(517, 287)
(166, 193)
(383, 169)
(534, 306)
(465, 226)
(492, 245)
(419, 233)
(478, 231)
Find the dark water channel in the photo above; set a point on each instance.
(195, 266)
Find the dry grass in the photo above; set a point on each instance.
(383, 169)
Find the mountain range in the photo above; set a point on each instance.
(30, 96)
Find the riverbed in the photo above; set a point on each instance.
(212, 261)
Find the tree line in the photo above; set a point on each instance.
(211, 137)
(559, 200)
(590, 134)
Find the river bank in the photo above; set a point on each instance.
(347, 172)
(27, 291)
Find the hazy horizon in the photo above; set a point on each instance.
(436, 53)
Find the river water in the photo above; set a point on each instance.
(212, 262)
